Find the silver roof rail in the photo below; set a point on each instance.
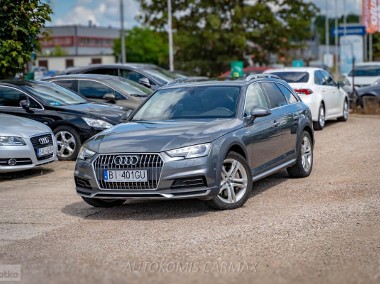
(257, 76)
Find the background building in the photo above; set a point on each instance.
(75, 45)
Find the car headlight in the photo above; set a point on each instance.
(11, 141)
(195, 151)
(85, 154)
(97, 123)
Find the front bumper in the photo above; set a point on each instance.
(23, 157)
(179, 179)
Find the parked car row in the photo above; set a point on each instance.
(72, 118)
(188, 139)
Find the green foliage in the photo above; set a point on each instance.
(21, 23)
(208, 35)
(59, 51)
(144, 45)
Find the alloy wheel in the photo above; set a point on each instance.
(234, 182)
(322, 116)
(66, 144)
(306, 154)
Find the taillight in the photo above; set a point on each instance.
(303, 91)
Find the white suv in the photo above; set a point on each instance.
(317, 88)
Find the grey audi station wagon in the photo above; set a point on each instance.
(208, 140)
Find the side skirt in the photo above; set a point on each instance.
(276, 169)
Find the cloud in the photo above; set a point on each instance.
(101, 13)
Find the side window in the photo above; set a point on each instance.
(10, 97)
(93, 90)
(288, 94)
(68, 84)
(318, 78)
(329, 81)
(255, 97)
(119, 96)
(103, 71)
(276, 98)
(131, 75)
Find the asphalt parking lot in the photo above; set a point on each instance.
(321, 229)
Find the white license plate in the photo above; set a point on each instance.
(45, 151)
(125, 175)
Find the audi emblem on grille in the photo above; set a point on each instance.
(44, 140)
(124, 160)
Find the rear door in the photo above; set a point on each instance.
(330, 93)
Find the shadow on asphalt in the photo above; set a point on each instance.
(25, 174)
(161, 209)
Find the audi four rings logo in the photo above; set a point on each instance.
(44, 140)
(126, 160)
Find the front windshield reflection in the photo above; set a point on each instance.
(191, 103)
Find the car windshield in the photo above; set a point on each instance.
(55, 95)
(131, 87)
(365, 71)
(190, 102)
(293, 77)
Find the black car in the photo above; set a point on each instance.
(72, 117)
(148, 75)
(104, 89)
(206, 140)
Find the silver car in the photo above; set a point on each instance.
(24, 144)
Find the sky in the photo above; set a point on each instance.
(107, 12)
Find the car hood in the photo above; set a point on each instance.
(19, 126)
(111, 113)
(160, 135)
(375, 90)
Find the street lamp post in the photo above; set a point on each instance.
(170, 32)
(122, 32)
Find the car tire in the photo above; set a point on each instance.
(103, 203)
(344, 117)
(68, 143)
(304, 163)
(320, 123)
(235, 184)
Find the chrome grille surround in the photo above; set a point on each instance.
(151, 162)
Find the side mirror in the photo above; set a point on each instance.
(145, 82)
(259, 112)
(109, 97)
(25, 104)
(340, 84)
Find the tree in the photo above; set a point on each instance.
(209, 34)
(21, 24)
(144, 45)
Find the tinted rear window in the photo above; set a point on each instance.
(366, 71)
(293, 77)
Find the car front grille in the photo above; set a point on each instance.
(150, 162)
(15, 162)
(42, 141)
